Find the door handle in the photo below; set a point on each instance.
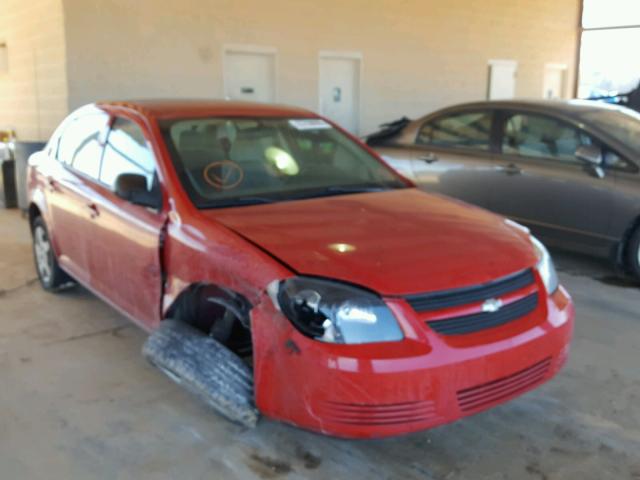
(53, 185)
(512, 169)
(429, 158)
(93, 211)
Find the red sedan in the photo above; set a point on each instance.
(283, 268)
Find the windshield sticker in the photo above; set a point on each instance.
(309, 124)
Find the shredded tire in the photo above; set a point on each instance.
(206, 368)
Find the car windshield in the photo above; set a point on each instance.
(242, 161)
(624, 125)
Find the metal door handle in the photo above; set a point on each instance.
(512, 169)
(429, 158)
(93, 210)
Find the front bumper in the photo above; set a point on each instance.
(378, 390)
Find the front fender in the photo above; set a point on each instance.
(207, 253)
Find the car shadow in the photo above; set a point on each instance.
(601, 270)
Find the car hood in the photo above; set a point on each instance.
(396, 242)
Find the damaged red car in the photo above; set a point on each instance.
(283, 269)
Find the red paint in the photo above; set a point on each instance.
(422, 369)
(401, 242)
(393, 233)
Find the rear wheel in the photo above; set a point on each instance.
(633, 254)
(51, 276)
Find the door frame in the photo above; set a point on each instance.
(501, 63)
(558, 67)
(344, 55)
(251, 50)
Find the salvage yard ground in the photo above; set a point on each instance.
(78, 401)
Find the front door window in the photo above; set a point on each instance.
(543, 137)
(126, 151)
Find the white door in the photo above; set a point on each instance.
(340, 91)
(250, 76)
(502, 79)
(554, 81)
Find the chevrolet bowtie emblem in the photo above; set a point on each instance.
(492, 305)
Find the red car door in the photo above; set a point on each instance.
(70, 183)
(125, 252)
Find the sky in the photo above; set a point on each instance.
(610, 59)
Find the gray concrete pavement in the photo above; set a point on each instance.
(77, 401)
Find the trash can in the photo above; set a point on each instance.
(23, 150)
(8, 197)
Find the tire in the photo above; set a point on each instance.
(206, 368)
(633, 254)
(51, 276)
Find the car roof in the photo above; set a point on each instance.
(566, 107)
(176, 108)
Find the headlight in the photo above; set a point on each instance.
(545, 266)
(335, 313)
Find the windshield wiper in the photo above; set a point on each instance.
(355, 189)
(340, 190)
(348, 190)
(315, 193)
(239, 202)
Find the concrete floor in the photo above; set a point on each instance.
(77, 401)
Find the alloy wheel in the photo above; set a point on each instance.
(42, 248)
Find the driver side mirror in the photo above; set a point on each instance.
(132, 187)
(592, 156)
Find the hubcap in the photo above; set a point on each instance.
(42, 249)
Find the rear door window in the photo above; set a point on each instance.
(127, 151)
(471, 130)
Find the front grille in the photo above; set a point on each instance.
(386, 414)
(483, 396)
(484, 320)
(461, 296)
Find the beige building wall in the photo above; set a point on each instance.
(418, 55)
(33, 92)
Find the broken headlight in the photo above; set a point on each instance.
(335, 313)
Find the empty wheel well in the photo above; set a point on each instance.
(217, 312)
(34, 212)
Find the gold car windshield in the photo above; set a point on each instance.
(239, 161)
